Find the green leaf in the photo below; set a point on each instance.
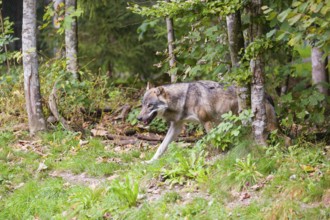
(315, 8)
(301, 114)
(294, 19)
(293, 41)
(264, 7)
(284, 14)
(235, 133)
(308, 23)
(268, 11)
(287, 98)
(271, 33)
(209, 31)
(173, 71)
(281, 36)
(303, 6)
(296, 3)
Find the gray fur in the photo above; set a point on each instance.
(202, 101)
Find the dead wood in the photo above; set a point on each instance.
(125, 142)
(136, 139)
(188, 139)
(124, 110)
(54, 110)
(96, 112)
(119, 137)
(160, 138)
(149, 138)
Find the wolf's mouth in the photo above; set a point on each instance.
(149, 120)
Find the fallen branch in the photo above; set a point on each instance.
(119, 137)
(124, 110)
(132, 141)
(125, 142)
(160, 138)
(122, 140)
(53, 108)
(149, 138)
(97, 112)
(188, 139)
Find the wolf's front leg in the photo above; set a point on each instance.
(172, 133)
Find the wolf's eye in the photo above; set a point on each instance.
(150, 105)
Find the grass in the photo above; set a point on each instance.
(110, 182)
(300, 182)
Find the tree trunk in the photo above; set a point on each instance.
(30, 65)
(236, 44)
(319, 70)
(58, 6)
(170, 42)
(57, 17)
(71, 39)
(258, 79)
(258, 101)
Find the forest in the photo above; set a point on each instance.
(82, 81)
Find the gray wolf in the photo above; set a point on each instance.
(202, 101)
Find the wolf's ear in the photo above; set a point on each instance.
(160, 91)
(149, 86)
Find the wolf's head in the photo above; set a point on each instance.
(153, 104)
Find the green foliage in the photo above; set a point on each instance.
(304, 20)
(246, 171)
(12, 100)
(63, 22)
(132, 116)
(302, 106)
(126, 191)
(186, 168)
(84, 198)
(73, 96)
(181, 7)
(6, 38)
(229, 132)
(194, 208)
(6, 138)
(42, 199)
(116, 48)
(201, 50)
(158, 125)
(257, 48)
(171, 197)
(299, 175)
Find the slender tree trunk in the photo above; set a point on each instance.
(258, 106)
(319, 70)
(58, 16)
(170, 42)
(57, 5)
(71, 40)
(236, 44)
(30, 65)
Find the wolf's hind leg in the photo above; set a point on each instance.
(172, 133)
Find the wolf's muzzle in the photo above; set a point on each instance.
(147, 120)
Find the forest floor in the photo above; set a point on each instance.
(99, 174)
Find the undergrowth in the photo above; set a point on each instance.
(237, 181)
(293, 181)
